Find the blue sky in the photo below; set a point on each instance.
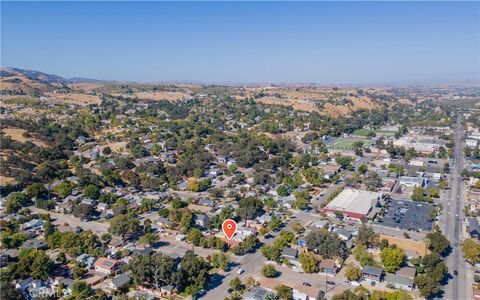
(229, 42)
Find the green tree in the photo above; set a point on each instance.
(437, 242)
(236, 284)
(343, 161)
(64, 189)
(392, 258)
(80, 290)
(427, 285)
(471, 250)
(249, 208)
(15, 201)
(148, 238)
(366, 236)
(78, 271)
(309, 262)
(282, 191)
(195, 236)
(42, 266)
(91, 191)
(353, 273)
(82, 210)
(284, 292)
(372, 180)
(326, 244)
(301, 200)
(123, 225)
(8, 291)
(363, 256)
(269, 271)
(220, 261)
(37, 190)
(363, 168)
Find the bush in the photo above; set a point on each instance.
(269, 271)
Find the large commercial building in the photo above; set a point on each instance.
(354, 204)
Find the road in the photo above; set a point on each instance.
(60, 219)
(459, 286)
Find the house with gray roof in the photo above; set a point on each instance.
(289, 253)
(473, 228)
(370, 273)
(400, 282)
(258, 293)
(119, 281)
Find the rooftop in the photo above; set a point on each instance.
(354, 201)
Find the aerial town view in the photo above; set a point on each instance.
(240, 150)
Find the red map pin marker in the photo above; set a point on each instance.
(229, 227)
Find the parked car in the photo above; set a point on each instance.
(331, 282)
(240, 271)
(354, 283)
(307, 284)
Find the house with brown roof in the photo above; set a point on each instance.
(108, 266)
(328, 266)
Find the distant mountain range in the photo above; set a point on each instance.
(45, 77)
(15, 81)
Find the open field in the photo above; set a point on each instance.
(418, 246)
(73, 98)
(345, 144)
(319, 104)
(6, 180)
(170, 96)
(363, 132)
(116, 146)
(21, 135)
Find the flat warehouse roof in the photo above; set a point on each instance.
(355, 201)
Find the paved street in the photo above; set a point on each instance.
(60, 219)
(459, 286)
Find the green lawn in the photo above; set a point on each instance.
(362, 132)
(343, 144)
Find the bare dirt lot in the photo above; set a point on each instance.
(21, 135)
(73, 98)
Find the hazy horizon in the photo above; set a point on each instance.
(324, 43)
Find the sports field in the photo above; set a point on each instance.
(362, 132)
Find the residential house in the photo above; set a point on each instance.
(33, 224)
(289, 253)
(34, 244)
(108, 266)
(63, 208)
(87, 260)
(297, 295)
(408, 272)
(372, 273)
(400, 282)
(67, 284)
(473, 228)
(90, 202)
(201, 220)
(343, 234)
(328, 266)
(166, 290)
(258, 293)
(412, 181)
(102, 207)
(119, 282)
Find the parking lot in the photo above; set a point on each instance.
(408, 215)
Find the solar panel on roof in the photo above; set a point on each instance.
(108, 263)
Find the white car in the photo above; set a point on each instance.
(354, 283)
(240, 271)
